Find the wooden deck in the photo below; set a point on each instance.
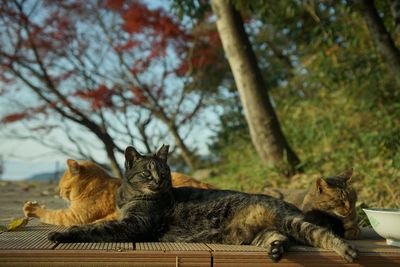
(30, 247)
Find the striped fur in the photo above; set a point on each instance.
(151, 210)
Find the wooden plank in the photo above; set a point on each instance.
(180, 254)
(174, 258)
(373, 252)
(102, 258)
(30, 247)
(169, 246)
(235, 248)
(118, 246)
(30, 237)
(297, 259)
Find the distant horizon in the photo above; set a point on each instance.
(16, 170)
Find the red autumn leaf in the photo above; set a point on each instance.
(23, 115)
(138, 96)
(100, 97)
(114, 4)
(208, 50)
(15, 117)
(126, 46)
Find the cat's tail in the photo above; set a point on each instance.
(317, 236)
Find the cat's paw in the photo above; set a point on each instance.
(60, 237)
(55, 237)
(33, 209)
(349, 253)
(275, 250)
(352, 233)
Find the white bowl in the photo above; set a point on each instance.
(386, 222)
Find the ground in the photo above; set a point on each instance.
(13, 195)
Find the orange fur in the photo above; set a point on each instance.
(91, 193)
(181, 180)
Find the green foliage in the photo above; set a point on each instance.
(190, 8)
(334, 97)
(330, 132)
(241, 169)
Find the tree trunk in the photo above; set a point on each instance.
(265, 131)
(112, 160)
(186, 154)
(395, 9)
(381, 37)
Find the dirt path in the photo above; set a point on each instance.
(13, 195)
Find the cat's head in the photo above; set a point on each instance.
(335, 195)
(77, 176)
(146, 175)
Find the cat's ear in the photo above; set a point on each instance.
(73, 166)
(346, 175)
(131, 155)
(162, 153)
(321, 184)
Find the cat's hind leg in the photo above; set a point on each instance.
(274, 241)
(317, 236)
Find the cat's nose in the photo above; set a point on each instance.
(155, 175)
(152, 166)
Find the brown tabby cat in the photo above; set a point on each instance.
(332, 195)
(153, 211)
(91, 193)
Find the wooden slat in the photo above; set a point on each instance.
(173, 257)
(179, 254)
(235, 248)
(374, 246)
(117, 246)
(373, 252)
(103, 258)
(29, 247)
(168, 246)
(30, 237)
(298, 259)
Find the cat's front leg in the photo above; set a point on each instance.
(273, 241)
(70, 236)
(352, 233)
(110, 231)
(124, 230)
(33, 209)
(66, 217)
(350, 224)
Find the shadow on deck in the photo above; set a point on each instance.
(30, 247)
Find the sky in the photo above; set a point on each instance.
(25, 158)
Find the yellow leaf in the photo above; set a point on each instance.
(17, 224)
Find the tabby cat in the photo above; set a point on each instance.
(337, 197)
(91, 193)
(330, 199)
(152, 210)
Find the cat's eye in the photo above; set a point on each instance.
(145, 174)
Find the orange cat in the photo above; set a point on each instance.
(91, 193)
